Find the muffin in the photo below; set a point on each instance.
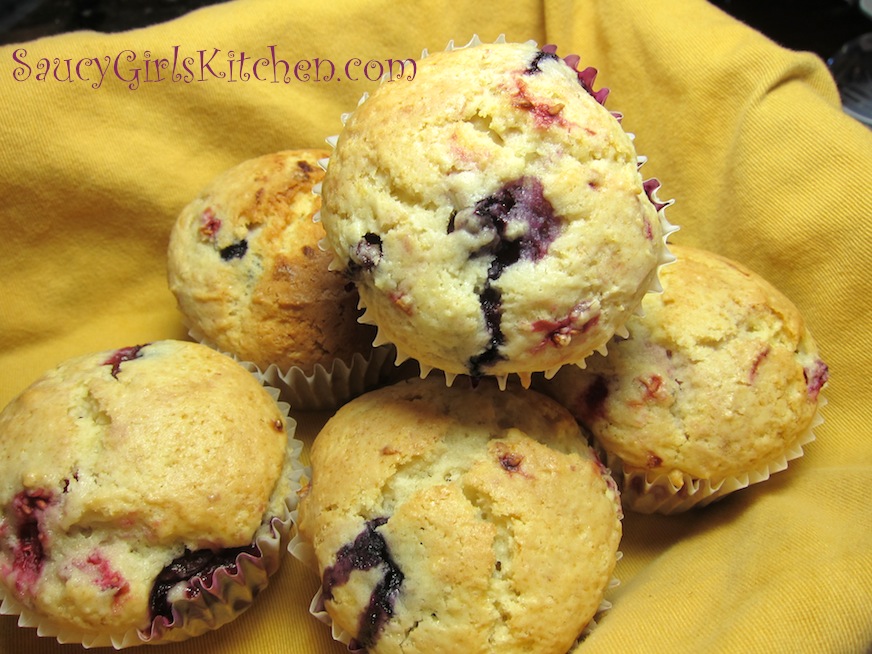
(717, 386)
(245, 267)
(491, 213)
(145, 495)
(475, 520)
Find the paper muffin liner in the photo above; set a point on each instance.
(216, 600)
(303, 551)
(587, 77)
(644, 491)
(326, 387)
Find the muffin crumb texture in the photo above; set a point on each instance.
(719, 379)
(492, 214)
(127, 479)
(475, 521)
(249, 277)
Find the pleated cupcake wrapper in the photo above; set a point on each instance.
(304, 552)
(604, 607)
(651, 186)
(318, 610)
(650, 492)
(227, 595)
(329, 389)
(325, 387)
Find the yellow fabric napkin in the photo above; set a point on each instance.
(747, 137)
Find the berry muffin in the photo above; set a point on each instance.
(717, 386)
(145, 495)
(476, 520)
(491, 212)
(250, 280)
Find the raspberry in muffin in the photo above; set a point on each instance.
(145, 494)
(717, 386)
(492, 213)
(245, 266)
(475, 520)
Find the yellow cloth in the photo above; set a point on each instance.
(748, 138)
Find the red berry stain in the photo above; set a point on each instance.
(402, 301)
(120, 356)
(755, 366)
(106, 577)
(654, 461)
(209, 224)
(510, 461)
(654, 388)
(28, 555)
(544, 113)
(815, 378)
(560, 332)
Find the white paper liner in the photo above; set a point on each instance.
(651, 492)
(324, 388)
(227, 596)
(303, 551)
(329, 389)
(525, 377)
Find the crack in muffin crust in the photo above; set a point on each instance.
(457, 484)
(499, 208)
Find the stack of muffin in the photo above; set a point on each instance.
(494, 220)
(487, 224)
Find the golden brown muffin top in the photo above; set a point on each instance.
(493, 526)
(248, 273)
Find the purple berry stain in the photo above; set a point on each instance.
(542, 55)
(586, 77)
(369, 550)
(198, 564)
(120, 356)
(522, 225)
(234, 250)
(593, 401)
(28, 555)
(366, 255)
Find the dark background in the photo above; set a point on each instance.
(820, 26)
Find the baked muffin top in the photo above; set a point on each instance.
(450, 519)
(719, 377)
(491, 212)
(245, 266)
(114, 464)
